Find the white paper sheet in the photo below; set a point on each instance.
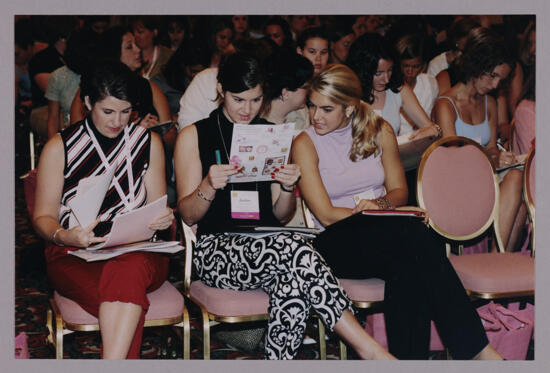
(258, 149)
(90, 194)
(134, 225)
(169, 247)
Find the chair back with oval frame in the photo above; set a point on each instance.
(459, 188)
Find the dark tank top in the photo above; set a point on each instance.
(218, 217)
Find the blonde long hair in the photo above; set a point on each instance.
(342, 86)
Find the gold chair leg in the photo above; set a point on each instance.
(322, 340)
(343, 351)
(32, 150)
(49, 325)
(58, 337)
(205, 334)
(186, 335)
(448, 249)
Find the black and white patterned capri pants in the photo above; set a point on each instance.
(286, 267)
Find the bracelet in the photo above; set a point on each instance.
(54, 234)
(291, 190)
(383, 203)
(439, 130)
(388, 204)
(380, 203)
(199, 193)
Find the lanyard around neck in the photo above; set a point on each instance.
(146, 75)
(129, 200)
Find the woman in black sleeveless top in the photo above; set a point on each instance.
(283, 264)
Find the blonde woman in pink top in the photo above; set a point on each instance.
(349, 162)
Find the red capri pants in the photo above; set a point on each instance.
(125, 278)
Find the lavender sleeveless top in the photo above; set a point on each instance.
(342, 178)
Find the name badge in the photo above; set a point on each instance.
(369, 194)
(245, 204)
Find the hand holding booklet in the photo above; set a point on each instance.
(402, 212)
(257, 150)
(131, 232)
(133, 226)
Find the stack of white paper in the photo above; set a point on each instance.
(134, 225)
(104, 254)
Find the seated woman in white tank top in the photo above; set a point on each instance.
(371, 59)
(466, 107)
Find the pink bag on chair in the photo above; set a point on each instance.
(509, 330)
(21, 348)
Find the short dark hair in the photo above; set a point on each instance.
(484, 51)
(110, 78)
(283, 24)
(364, 55)
(288, 70)
(151, 23)
(239, 72)
(310, 33)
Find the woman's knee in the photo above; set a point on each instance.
(138, 268)
(513, 181)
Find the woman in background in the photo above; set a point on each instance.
(153, 55)
(372, 60)
(240, 26)
(64, 82)
(285, 94)
(411, 52)
(468, 110)
(525, 117)
(151, 107)
(341, 39)
(277, 29)
(313, 44)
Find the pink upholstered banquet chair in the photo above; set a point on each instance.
(458, 187)
(364, 294)
(529, 191)
(167, 306)
(219, 305)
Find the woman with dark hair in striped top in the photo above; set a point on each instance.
(113, 290)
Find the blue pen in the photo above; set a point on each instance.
(218, 158)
